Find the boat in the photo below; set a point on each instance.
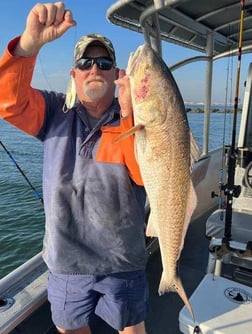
(215, 269)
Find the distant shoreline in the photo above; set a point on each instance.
(200, 110)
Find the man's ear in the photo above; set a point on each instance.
(72, 73)
(116, 73)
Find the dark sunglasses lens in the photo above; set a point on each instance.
(103, 63)
(84, 64)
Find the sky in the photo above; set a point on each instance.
(55, 59)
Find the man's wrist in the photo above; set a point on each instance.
(25, 47)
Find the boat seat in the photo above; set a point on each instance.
(241, 226)
(238, 252)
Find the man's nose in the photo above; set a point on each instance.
(94, 68)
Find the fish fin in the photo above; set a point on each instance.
(129, 132)
(176, 286)
(191, 202)
(150, 229)
(190, 207)
(194, 150)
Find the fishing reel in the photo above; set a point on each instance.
(235, 190)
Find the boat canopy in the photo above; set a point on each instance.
(188, 22)
(213, 28)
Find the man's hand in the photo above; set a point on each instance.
(124, 94)
(45, 23)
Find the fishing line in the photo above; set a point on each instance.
(228, 99)
(36, 193)
(221, 182)
(44, 72)
(232, 190)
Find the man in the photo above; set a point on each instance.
(94, 241)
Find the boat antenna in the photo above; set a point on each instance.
(36, 193)
(230, 189)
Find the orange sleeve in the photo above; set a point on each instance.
(20, 104)
(121, 152)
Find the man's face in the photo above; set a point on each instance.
(94, 84)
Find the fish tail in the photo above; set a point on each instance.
(176, 286)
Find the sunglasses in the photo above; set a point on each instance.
(103, 63)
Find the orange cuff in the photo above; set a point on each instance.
(121, 152)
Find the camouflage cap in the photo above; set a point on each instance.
(94, 39)
(79, 50)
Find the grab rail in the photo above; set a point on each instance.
(22, 292)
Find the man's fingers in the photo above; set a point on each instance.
(40, 12)
(60, 13)
(53, 14)
(122, 80)
(69, 18)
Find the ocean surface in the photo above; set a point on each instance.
(21, 212)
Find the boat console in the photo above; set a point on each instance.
(226, 289)
(238, 250)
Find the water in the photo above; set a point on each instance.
(21, 213)
(220, 128)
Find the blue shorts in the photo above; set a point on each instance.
(121, 299)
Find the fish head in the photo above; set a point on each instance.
(145, 72)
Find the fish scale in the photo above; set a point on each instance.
(162, 148)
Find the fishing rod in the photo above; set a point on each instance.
(36, 193)
(231, 190)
